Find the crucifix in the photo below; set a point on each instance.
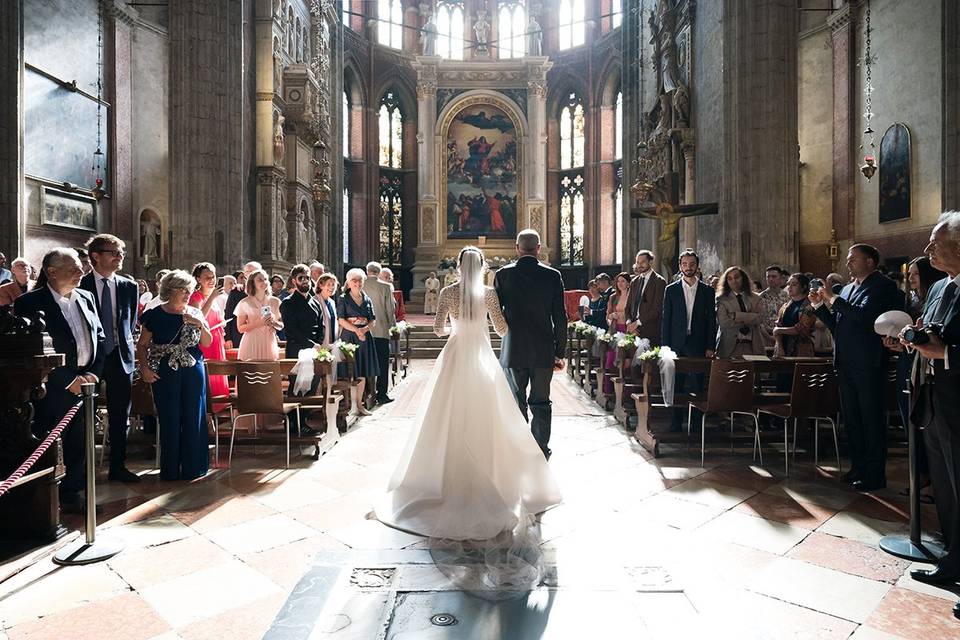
(669, 215)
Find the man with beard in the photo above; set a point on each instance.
(645, 302)
(303, 324)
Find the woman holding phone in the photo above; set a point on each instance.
(206, 298)
(258, 319)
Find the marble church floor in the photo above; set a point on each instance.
(640, 548)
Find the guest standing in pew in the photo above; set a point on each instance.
(170, 358)
(357, 320)
(258, 320)
(739, 316)
(616, 321)
(689, 326)
(206, 298)
(74, 327)
(384, 304)
(794, 329)
(861, 361)
(302, 323)
(645, 305)
(117, 299)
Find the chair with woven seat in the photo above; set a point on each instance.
(815, 395)
(260, 391)
(730, 391)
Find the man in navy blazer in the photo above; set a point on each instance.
(74, 327)
(861, 360)
(116, 298)
(689, 323)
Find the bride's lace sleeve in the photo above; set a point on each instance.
(443, 309)
(492, 301)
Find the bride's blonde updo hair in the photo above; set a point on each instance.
(472, 266)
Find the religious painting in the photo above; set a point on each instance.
(481, 173)
(65, 209)
(895, 173)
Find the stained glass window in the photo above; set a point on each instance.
(391, 132)
(450, 30)
(616, 9)
(390, 23)
(511, 30)
(618, 214)
(345, 12)
(571, 218)
(391, 217)
(572, 133)
(572, 24)
(345, 126)
(346, 222)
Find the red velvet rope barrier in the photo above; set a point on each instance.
(29, 462)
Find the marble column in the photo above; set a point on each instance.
(11, 128)
(430, 227)
(845, 121)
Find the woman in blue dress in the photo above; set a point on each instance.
(356, 319)
(169, 346)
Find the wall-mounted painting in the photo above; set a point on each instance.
(482, 173)
(895, 173)
(65, 209)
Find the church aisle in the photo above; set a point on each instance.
(640, 548)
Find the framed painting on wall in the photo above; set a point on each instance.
(895, 173)
(65, 209)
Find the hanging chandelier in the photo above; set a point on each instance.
(97, 190)
(869, 166)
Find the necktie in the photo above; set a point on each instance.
(743, 307)
(106, 318)
(945, 301)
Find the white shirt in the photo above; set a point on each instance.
(78, 326)
(690, 297)
(112, 284)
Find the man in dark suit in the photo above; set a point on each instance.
(606, 290)
(936, 379)
(303, 324)
(861, 360)
(116, 297)
(688, 325)
(645, 299)
(531, 296)
(74, 327)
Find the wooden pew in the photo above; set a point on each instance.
(625, 384)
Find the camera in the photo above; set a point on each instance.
(816, 284)
(921, 335)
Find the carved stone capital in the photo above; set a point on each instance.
(537, 88)
(426, 90)
(840, 19)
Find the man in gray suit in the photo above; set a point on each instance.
(385, 310)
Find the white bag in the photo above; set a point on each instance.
(303, 371)
(667, 373)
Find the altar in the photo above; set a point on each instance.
(482, 142)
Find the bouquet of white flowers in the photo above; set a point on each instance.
(400, 328)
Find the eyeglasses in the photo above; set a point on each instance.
(302, 278)
(119, 253)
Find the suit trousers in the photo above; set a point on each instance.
(50, 411)
(861, 398)
(537, 400)
(942, 440)
(383, 360)
(119, 391)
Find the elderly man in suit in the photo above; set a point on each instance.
(861, 360)
(74, 326)
(116, 297)
(20, 284)
(689, 324)
(936, 378)
(645, 299)
(385, 311)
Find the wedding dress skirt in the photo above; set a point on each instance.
(471, 469)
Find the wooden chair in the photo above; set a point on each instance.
(815, 395)
(730, 391)
(260, 390)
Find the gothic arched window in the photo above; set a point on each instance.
(618, 127)
(391, 217)
(511, 30)
(391, 132)
(616, 13)
(346, 220)
(572, 30)
(571, 181)
(345, 13)
(572, 125)
(390, 23)
(618, 172)
(345, 125)
(450, 29)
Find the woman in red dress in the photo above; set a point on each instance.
(205, 299)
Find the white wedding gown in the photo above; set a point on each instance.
(471, 469)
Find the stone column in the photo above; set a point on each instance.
(430, 228)
(124, 223)
(11, 128)
(844, 121)
(688, 237)
(760, 195)
(536, 149)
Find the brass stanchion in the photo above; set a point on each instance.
(90, 549)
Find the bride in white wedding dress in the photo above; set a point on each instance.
(471, 469)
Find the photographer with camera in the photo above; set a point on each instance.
(861, 360)
(936, 377)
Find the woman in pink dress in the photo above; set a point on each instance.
(258, 319)
(205, 299)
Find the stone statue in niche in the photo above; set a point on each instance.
(281, 227)
(534, 37)
(277, 66)
(481, 29)
(278, 9)
(681, 107)
(149, 240)
(429, 37)
(278, 143)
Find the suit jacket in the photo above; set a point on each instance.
(384, 306)
(923, 411)
(850, 320)
(40, 299)
(648, 307)
(128, 296)
(673, 325)
(233, 299)
(730, 318)
(302, 322)
(531, 298)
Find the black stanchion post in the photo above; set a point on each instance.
(90, 549)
